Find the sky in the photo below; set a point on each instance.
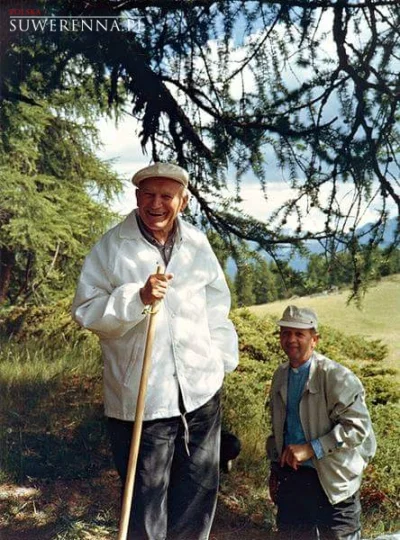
(121, 145)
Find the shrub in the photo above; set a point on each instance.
(51, 323)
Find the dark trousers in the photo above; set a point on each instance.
(176, 482)
(305, 513)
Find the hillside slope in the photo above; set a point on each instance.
(378, 318)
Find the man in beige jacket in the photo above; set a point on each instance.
(322, 438)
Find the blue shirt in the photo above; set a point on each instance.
(293, 431)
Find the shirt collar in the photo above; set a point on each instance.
(303, 367)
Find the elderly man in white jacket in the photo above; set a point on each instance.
(195, 344)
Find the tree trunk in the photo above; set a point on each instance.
(7, 261)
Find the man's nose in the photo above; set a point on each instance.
(156, 201)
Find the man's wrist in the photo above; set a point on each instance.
(142, 297)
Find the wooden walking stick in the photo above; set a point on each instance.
(137, 427)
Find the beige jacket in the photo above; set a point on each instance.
(333, 410)
(195, 342)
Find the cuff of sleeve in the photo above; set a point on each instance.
(317, 447)
(330, 442)
(125, 303)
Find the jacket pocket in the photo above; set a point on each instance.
(347, 464)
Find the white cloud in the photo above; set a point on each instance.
(255, 204)
(121, 144)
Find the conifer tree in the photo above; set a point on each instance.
(309, 87)
(265, 288)
(244, 285)
(49, 215)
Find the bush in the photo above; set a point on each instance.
(43, 324)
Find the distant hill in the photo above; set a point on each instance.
(300, 263)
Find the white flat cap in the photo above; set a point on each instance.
(162, 170)
(295, 317)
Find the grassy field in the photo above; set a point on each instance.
(378, 318)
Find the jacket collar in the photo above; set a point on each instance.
(129, 228)
(312, 384)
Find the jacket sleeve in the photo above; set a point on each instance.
(348, 413)
(107, 310)
(223, 334)
(270, 446)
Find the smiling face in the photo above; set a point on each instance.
(298, 344)
(159, 202)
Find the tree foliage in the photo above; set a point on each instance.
(258, 281)
(307, 90)
(48, 215)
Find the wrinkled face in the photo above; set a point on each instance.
(159, 202)
(298, 344)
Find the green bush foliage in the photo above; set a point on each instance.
(50, 324)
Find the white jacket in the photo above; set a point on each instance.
(333, 410)
(195, 342)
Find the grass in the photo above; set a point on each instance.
(378, 318)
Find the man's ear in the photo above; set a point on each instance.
(184, 202)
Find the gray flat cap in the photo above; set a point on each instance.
(162, 170)
(295, 317)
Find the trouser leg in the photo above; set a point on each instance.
(296, 517)
(175, 493)
(341, 521)
(149, 516)
(305, 512)
(195, 477)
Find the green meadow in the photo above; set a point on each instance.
(377, 318)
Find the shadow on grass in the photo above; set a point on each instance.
(58, 477)
(53, 430)
(55, 462)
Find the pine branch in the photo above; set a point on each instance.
(15, 97)
(182, 5)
